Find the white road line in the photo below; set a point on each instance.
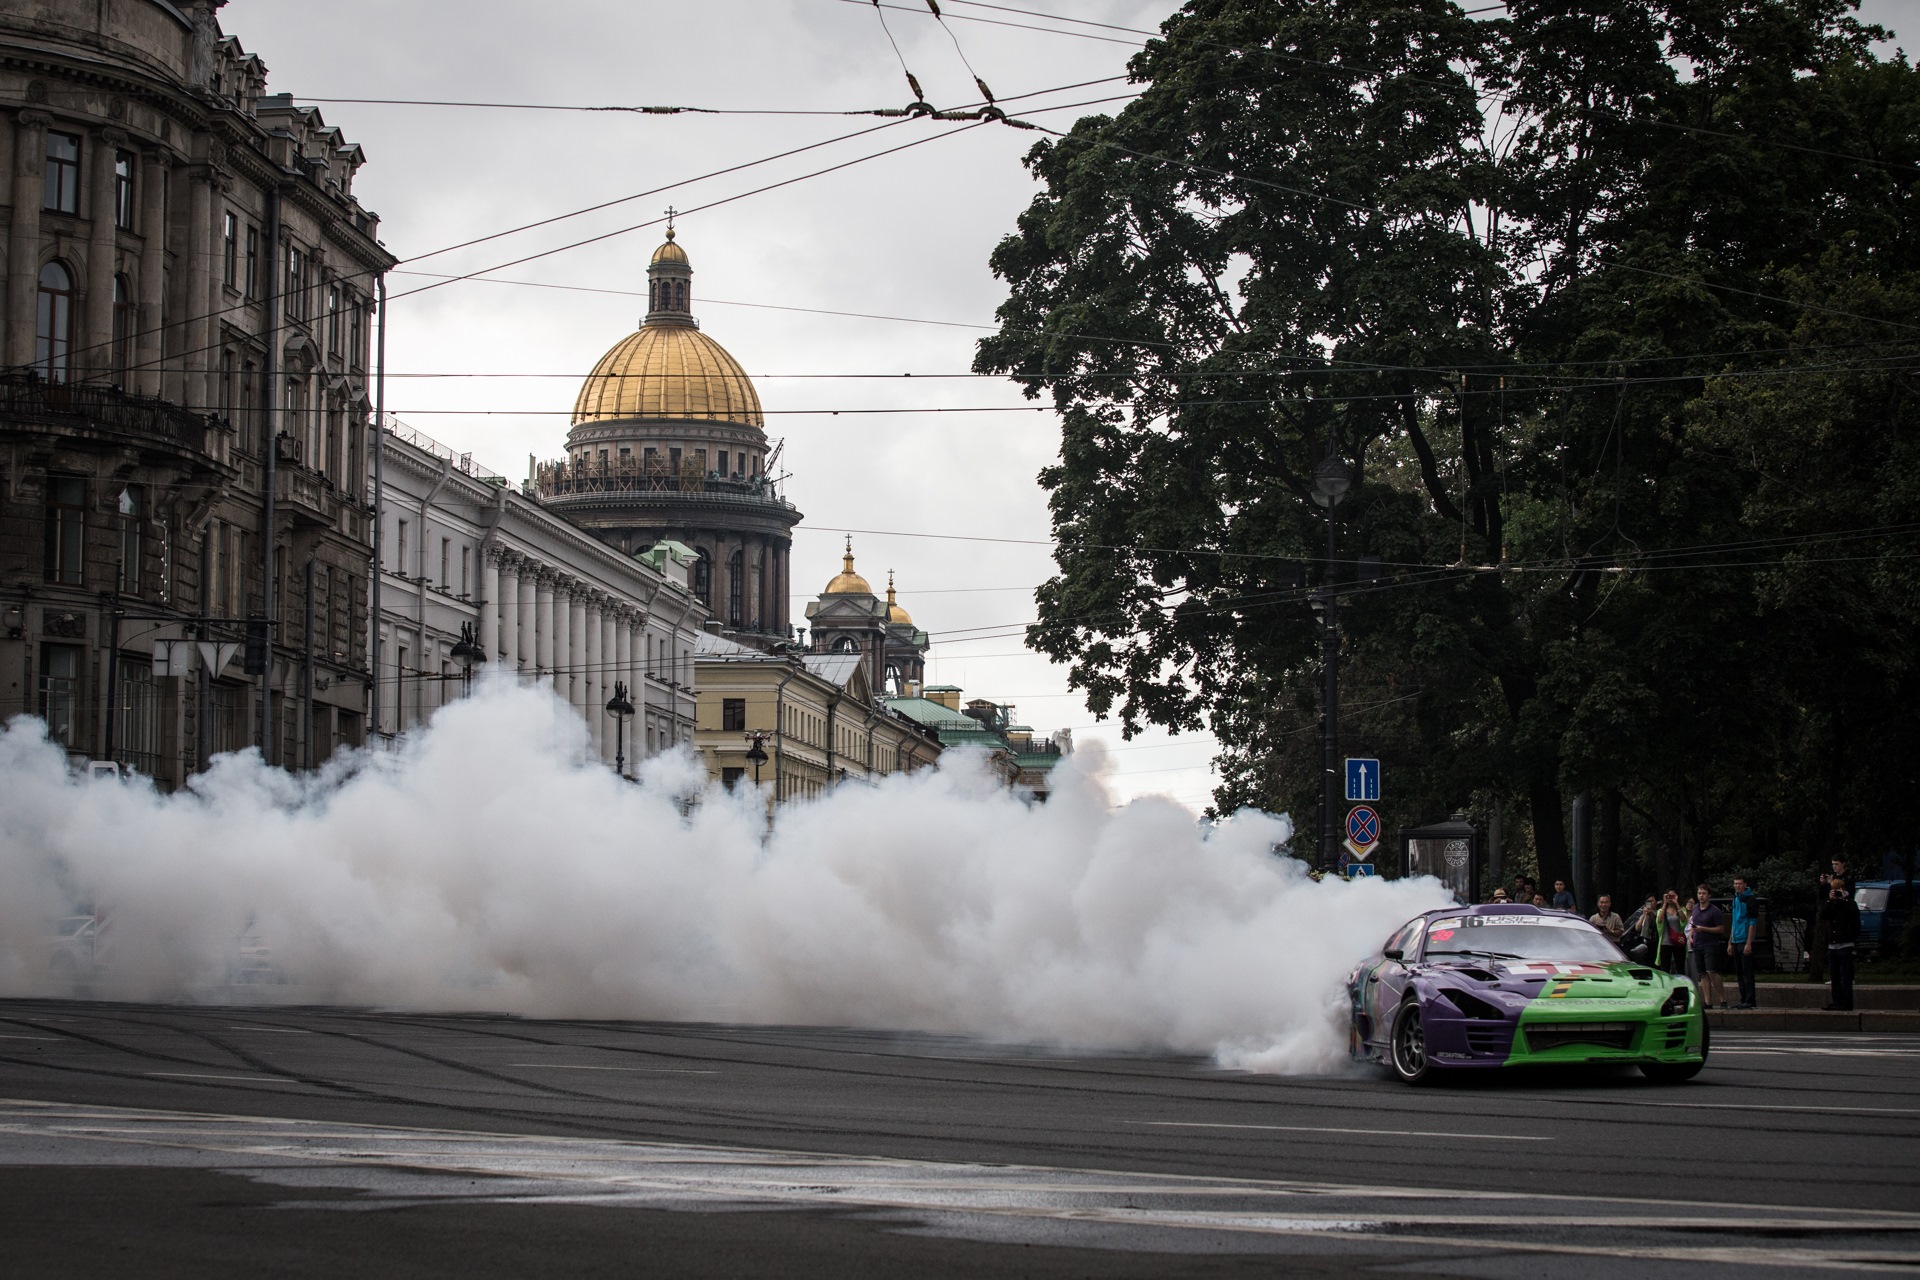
(574, 1066)
(1314, 1128)
(1763, 1106)
(48, 1039)
(278, 1031)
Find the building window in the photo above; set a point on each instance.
(333, 319)
(123, 171)
(123, 325)
(63, 173)
(354, 329)
(66, 530)
(253, 263)
(136, 743)
(673, 461)
(225, 390)
(333, 458)
(736, 587)
(60, 691)
(54, 334)
(249, 406)
(446, 564)
(230, 250)
(133, 517)
(733, 713)
(703, 580)
(400, 549)
(296, 305)
(466, 566)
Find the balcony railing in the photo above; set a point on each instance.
(100, 407)
(462, 462)
(629, 478)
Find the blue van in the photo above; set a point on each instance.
(1885, 907)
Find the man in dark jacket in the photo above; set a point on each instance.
(1843, 931)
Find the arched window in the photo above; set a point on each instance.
(123, 313)
(846, 644)
(54, 334)
(680, 295)
(703, 579)
(736, 587)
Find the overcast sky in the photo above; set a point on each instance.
(905, 235)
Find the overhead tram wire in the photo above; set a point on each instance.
(361, 275)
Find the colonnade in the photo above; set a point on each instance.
(547, 625)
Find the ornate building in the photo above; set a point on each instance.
(481, 578)
(184, 532)
(849, 618)
(669, 442)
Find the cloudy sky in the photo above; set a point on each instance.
(947, 500)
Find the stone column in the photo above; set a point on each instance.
(489, 608)
(542, 621)
(95, 336)
(23, 238)
(527, 627)
(592, 701)
(561, 668)
(571, 686)
(148, 344)
(198, 330)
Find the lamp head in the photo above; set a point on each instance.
(1331, 481)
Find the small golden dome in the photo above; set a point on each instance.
(894, 612)
(847, 582)
(668, 371)
(669, 251)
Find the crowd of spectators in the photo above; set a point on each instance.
(1694, 935)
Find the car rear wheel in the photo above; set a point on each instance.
(1679, 1072)
(1408, 1046)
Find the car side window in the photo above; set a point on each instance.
(1406, 939)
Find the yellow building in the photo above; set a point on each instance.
(821, 721)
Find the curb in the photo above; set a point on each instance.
(1812, 1020)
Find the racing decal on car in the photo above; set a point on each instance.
(1554, 968)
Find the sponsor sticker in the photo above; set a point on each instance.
(1441, 935)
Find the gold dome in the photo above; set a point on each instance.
(669, 251)
(668, 371)
(894, 612)
(847, 582)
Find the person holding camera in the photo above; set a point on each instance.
(1843, 931)
(1670, 934)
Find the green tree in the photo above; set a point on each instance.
(1521, 275)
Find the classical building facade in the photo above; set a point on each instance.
(478, 577)
(815, 715)
(184, 529)
(1023, 758)
(669, 442)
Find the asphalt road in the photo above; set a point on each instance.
(154, 1141)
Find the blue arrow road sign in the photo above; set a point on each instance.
(1363, 778)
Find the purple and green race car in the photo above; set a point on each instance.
(1508, 986)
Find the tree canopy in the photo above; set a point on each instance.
(1610, 305)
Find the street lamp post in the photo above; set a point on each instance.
(619, 707)
(1331, 481)
(757, 752)
(467, 651)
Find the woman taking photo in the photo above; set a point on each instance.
(1670, 934)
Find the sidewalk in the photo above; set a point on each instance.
(1796, 1006)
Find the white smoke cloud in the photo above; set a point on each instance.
(489, 864)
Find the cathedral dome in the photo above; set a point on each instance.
(668, 371)
(669, 251)
(847, 582)
(894, 612)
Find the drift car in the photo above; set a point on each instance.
(1509, 985)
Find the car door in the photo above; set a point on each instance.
(1386, 984)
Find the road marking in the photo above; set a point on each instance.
(279, 1031)
(1762, 1106)
(1314, 1128)
(574, 1066)
(192, 1075)
(48, 1039)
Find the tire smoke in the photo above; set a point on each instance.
(488, 864)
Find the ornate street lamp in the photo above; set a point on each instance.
(757, 752)
(467, 652)
(1331, 481)
(619, 708)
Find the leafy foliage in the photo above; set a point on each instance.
(1609, 303)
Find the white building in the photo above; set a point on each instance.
(463, 552)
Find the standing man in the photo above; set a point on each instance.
(1707, 928)
(1607, 920)
(1563, 898)
(1843, 930)
(1742, 941)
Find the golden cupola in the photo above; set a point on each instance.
(847, 582)
(894, 612)
(668, 370)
